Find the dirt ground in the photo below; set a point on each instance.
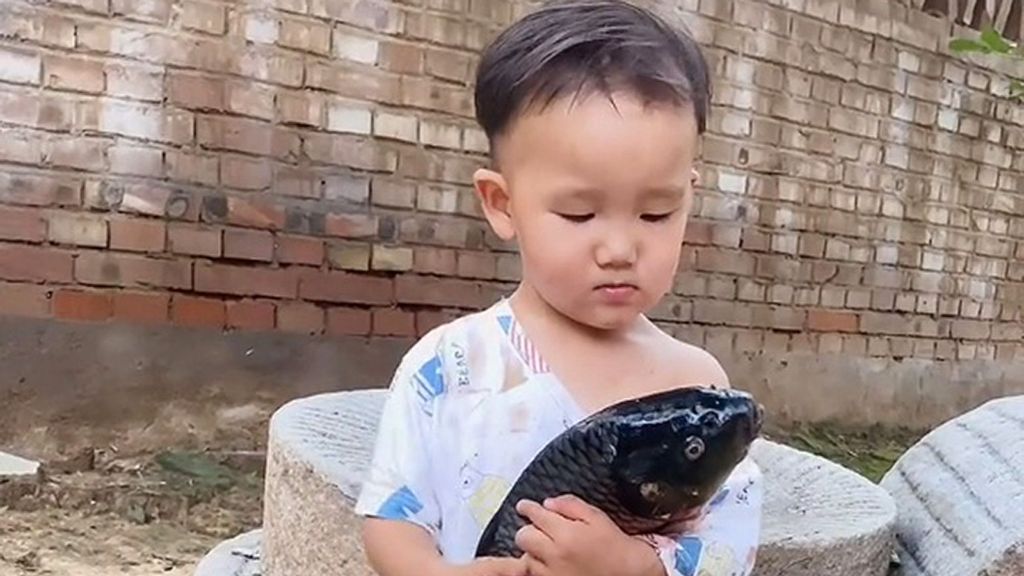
(159, 514)
(154, 515)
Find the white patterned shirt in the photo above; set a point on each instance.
(469, 407)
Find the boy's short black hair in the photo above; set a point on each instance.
(583, 45)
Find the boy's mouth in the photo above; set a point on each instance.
(616, 286)
(617, 291)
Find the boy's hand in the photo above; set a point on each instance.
(569, 537)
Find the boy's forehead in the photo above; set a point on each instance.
(577, 125)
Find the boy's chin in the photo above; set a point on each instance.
(605, 320)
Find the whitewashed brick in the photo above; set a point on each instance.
(443, 134)
(356, 48)
(397, 126)
(733, 183)
(261, 28)
(346, 118)
(949, 119)
(20, 67)
(475, 140)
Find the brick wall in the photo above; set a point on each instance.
(304, 166)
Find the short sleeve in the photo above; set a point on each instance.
(726, 542)
(398, 485)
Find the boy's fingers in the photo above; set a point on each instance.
(510, 566)
(572, 507)
(533, 542)
(547, 521)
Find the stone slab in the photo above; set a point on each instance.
(12, 466)
(960, 495)
(239, 556)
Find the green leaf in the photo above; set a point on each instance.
(995, 41)
(967, 45)
(1016, 88)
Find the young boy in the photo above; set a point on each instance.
(594, 110)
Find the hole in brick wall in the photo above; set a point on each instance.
(215, 208)
(177, 206)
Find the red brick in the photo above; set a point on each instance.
(251, 315)
(243, 281)
(714, 260)
(245, 174)
(348, 322)
(248, 245)
(34, 264)
(698, 232)
(158, 201)
(255, 213)
(411, 289)
(198, 168)
(348, 150)
(191, 311)
(300, 317)
(183, 239)
(427, 320)
(196, 92)
(21, 147)
(39, 190)
(300, 183)
(138, 235)
(141, 308)
(24, 300)
(23, 225)
(477, 265)
(832, 321)
(351, 225)
(389, 322)
(76, 74)
(299, 250)
(434, 261)
(346, 288)
(111, 269)
(244, 135)
(78, 305)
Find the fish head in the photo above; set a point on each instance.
(675, 449)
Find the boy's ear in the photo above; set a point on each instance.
(495, 201)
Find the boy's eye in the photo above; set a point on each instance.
(657, 217)
(578, 218)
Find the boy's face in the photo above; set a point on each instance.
(597, 196)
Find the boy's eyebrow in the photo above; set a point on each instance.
(656, 192)
(666, 191)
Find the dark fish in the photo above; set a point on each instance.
(645, 462)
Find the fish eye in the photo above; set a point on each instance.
(694, 448)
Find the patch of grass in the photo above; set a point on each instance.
(869, 451)
(201, 475)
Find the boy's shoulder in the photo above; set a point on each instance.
(694, 365)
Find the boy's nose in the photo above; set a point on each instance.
(616, 251)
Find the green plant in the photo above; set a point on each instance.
(991, 42)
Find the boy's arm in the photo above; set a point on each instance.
(398, 502)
